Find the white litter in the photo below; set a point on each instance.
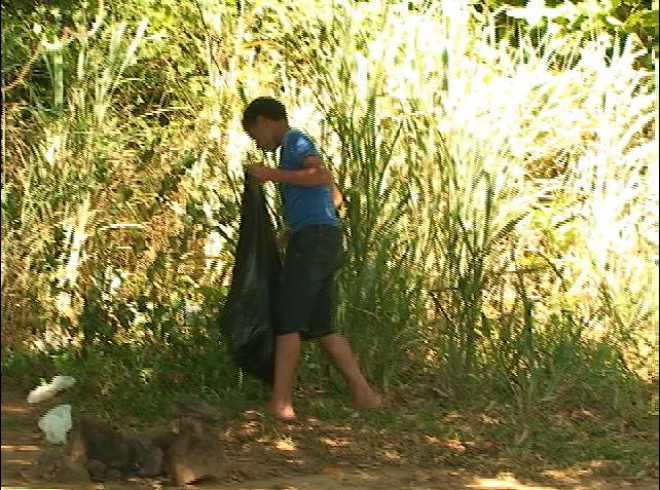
(47, 391)
(56, 423)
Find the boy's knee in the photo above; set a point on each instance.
(330, 339)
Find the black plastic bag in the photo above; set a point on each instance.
(247, 319)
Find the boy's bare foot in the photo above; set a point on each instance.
(367, 400)
(282, 411)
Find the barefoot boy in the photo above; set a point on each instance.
(306, 290)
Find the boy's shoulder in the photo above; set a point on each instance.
(294, 134)
(298, 141)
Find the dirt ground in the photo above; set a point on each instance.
(284, 468)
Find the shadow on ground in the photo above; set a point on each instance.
(284, 467)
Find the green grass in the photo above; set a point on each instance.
(417, 427)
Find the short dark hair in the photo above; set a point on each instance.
(263, 106)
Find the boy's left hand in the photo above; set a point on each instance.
(260, 173)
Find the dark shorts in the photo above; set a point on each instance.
(306, 295)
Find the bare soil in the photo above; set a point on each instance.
(278, 465)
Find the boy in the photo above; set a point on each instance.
(306, 298)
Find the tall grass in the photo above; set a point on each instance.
(98, 257)
(62, 158)
(461, 153)
(501, 201)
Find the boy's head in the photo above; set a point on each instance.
(265, 121)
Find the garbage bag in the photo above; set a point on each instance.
(247, 319)
(56, 423)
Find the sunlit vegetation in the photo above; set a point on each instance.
(499, 168)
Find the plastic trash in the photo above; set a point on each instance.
(247, 318)
(56, 423)
(48, 391)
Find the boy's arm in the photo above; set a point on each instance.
(314, 161)
(314, 173)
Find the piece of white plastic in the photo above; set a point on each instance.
(56, 423)
(48, 391)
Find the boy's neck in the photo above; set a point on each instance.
(284, 128)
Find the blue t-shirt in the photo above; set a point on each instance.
(303, 206)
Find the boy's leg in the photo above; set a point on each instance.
(294, 300)
(287, 352)
(340, 352)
